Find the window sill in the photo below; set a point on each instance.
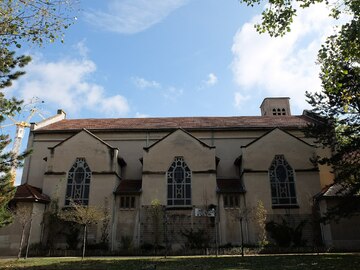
(286, 206)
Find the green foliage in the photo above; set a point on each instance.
(338, 106)
(156, 212)
(260, 219)
(284, 235)
(279, 14)
(9, 67)
(22, 21)
(83, 215)
(34, 21)
(7, 190)
(105, 222)
(72, 236)
(9, 71)
(196, 239)
(98, 246)
(54, 226)
(126, 242)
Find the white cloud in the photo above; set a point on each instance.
(143, 83)
(66, 84)
(172, 93)
(240, 99)
(212, 79)
(132, 16)
(282, 66)
(82, 48)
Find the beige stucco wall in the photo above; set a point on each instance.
(259, 155)
(10, 236)
(229, 222)
(157, 160)
(130, 145)
(257, 159)
(126, 224)
(199, 158)
(102, 161)
(100, 157)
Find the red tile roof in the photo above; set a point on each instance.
(242, 122)
(129, 187)
(27, 192)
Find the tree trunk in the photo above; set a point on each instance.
(21, 241)
(84, 241)
(28, 240)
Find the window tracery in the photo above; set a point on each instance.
(179, 183)
(78, 183)
(282, 181)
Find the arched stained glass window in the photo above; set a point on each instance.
(78, 183)
(282, 180)
(179, 183)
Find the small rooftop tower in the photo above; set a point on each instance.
(275, 106)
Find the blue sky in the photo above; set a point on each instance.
(133, 58)
(139, 58)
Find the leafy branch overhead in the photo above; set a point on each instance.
(279, 14)
(34, 21)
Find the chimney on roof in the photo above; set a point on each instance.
(60, 111)
(276, 106)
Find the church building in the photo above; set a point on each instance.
(204, 173)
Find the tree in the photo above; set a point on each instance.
(336, 108)
(83, 215)
(10, 70)
(156, 213)
(260, 219)
(339, 107)
(34, 21)
(23, 214)
(21, 22)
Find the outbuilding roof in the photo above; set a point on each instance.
(30, 193)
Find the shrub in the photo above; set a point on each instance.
(126, 242)
(196, 239)
(98, 246)
(284, 235)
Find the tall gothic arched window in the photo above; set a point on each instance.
(179, 183)
(282, 180)
(78, 183)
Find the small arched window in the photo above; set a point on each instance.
(282, 181)
(178, 183)
(78, 183)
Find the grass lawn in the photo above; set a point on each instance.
(278, 262)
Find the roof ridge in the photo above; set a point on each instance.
(171, 123)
